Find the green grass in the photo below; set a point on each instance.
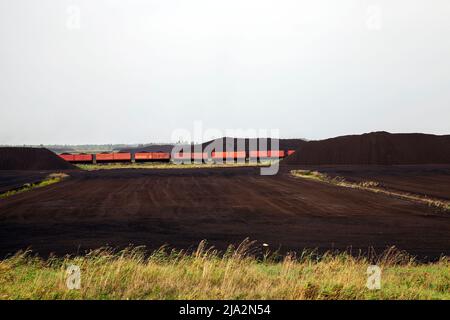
(50, 179)
(206, 274)
(371, 186)
(164, 165)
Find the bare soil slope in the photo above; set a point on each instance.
(18, 158)
(377, 148)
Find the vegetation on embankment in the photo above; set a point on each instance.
(206, 274)
(50, 179)
(166, 165)
(371, 186)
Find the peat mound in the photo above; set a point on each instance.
(375, 148)
(253, 144)
(227, 143)
(150, 148)
(21, 158)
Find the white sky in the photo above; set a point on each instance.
(135, 71)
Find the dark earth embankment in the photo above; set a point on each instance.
(22, 158)
(376, 148)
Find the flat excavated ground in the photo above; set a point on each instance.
(180, 207)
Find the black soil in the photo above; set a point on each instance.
(18, 158)
(376, 148)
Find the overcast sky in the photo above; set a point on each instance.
(110, 71)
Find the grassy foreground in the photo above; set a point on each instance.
(204, 274)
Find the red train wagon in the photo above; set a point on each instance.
(67, 156)
(277, 154)
(289, 152)
(267, 154)
(182, 156)
(122, 156)
(151, 156)
(190, 156)
(105, 157)
(82, 157)
(228, 155)
(199, 156)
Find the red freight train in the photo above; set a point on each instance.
(229, 155)
(164, 156)
(77, 157)
(108, 157)
(267, 154)
(149, 156)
